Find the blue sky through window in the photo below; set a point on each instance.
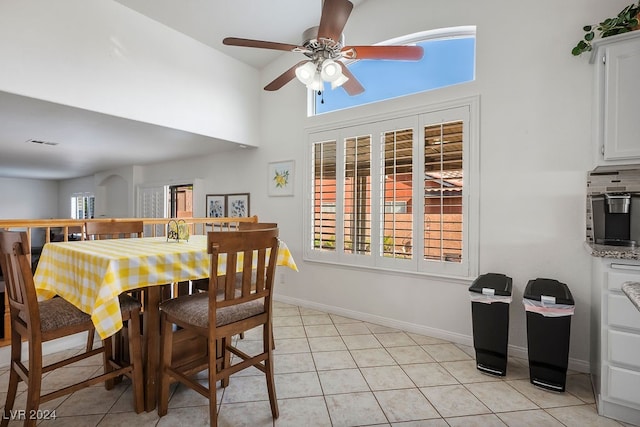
(446, 62)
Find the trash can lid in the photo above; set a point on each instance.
(537, 288)
(498, 282)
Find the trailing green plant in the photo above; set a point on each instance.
(625, 21)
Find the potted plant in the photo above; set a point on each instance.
(627, 20)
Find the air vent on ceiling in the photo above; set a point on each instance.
(37, 141)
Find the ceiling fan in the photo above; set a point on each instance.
(324, 47)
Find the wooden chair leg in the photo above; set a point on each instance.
(213, 352)
(268, 363)
(90, 338)
(135, 358)
(16, 352)
(166, 340)
(226, 358)
(34, 382)
(107, 343)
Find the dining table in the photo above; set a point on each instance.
(91, 274)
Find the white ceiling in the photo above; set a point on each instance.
(90, 142)
(210, 21)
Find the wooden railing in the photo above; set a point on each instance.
(63, 229)
(153, 226)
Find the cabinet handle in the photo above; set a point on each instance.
(625, 267)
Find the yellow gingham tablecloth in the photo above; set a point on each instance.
(91, 274)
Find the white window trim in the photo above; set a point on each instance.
(471, 163)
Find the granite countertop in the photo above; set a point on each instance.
(616, 252)
(632, 290)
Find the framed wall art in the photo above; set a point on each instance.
(280, 178)
(238, 205)
(216, 206)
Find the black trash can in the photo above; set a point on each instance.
(490, 297)
(549, 306)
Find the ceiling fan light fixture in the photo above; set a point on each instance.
(306, 73)
(316, 83)
(342, 79)
(330, 71)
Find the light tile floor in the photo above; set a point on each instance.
(335, 371)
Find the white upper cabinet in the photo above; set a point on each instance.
(617, 102)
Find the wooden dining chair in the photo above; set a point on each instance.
(217, 319)
(256, 225)
(99, 230)
(39, 322)
(102, 230)
(203, 284)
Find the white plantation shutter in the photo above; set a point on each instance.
(357, 195)
(396, 194)
(325, 197)
(443, 190)
(83, 206)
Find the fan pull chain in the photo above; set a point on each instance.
(321, 94)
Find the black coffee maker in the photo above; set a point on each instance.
(616, 219)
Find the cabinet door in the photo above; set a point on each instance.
(624, 385)
(622, 313)
(621, 101)
(624, 348)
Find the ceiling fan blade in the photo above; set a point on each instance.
(284, 78)
(351, 86)
(335, 14)
(409, 53)
(235, 41)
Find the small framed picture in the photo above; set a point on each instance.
(216, 206)
(280, 178)
(238, 205)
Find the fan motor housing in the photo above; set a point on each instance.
(310, 41)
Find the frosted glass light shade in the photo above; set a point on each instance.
(331, 70)
(339, 81)
(306, 72)
(316, 83)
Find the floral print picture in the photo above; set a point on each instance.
(238, 205)
(216, 204)
(280, 178)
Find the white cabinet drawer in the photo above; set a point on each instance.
(621, 273)
(621, 312)
(624, 385)
(624, 348)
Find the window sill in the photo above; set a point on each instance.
(463, 280)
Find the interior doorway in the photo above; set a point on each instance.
(181, 201)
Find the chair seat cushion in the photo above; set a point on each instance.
(128, 303)
(194, 309)
(57, 313)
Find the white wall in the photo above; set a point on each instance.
(29, 199)
(102, 56)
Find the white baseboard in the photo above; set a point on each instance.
(516, 351)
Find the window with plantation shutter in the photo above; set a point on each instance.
(324, 196)
(398, 194)
(397, 179)
(443, 187)
(357, 195)
(83, 206)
